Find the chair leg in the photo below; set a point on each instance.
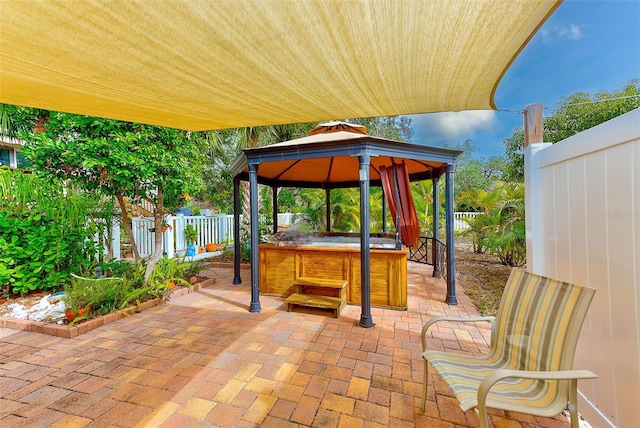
(424, 385)
(481, 412)
(573, 402)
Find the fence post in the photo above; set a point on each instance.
(222, 228)
(533, 188)
(115, 239)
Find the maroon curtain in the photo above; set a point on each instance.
(409, 227)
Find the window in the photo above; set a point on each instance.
(5, 157)
(21, 160)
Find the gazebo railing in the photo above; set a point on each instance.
(431, 251)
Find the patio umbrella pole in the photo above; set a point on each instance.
(255, 241)
(365, 261)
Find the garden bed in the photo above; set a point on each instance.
(63, 330)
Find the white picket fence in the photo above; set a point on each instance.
(211, 230)
(215, 229)
(460, 220)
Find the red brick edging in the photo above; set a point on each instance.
(70, 332)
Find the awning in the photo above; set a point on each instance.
(201, 65)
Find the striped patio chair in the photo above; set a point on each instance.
(533, 341)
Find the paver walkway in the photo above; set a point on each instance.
(204, 360)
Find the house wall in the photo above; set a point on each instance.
(586, 230)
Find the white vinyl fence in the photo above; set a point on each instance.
(583, 226)
(215, 229)
(461, 220)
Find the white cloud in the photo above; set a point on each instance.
(570, 32)
(573, 33)
(451, 127)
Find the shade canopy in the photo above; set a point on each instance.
(330, 160)
(199, 65)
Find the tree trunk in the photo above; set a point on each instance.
(157, 224)
(127, 225)
(246, 212)
(245, 217)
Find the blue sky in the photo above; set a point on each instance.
(585, 46)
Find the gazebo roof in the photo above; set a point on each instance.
(330, 160)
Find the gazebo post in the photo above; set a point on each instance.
(274, 189)
(451, 268)
(365, 261)
(236, 231)
(327, 199)
(255, 239)
(435, 249)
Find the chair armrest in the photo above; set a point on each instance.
(434, 320)
(498, 375)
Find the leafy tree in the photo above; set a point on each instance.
(218, 152)
(514, 155)
(120, 159)
(397, 128)
(46, 232)
(287, 201)
(472, 173)
(573, 114)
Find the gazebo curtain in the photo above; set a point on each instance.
(395, 179)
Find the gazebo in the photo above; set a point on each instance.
(339, 155)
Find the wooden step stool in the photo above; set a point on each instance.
(319, 293)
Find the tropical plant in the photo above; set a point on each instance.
(122, 160)
(190, 234)
(508, 239)
(500, 225)
(480, 226)
(46, 233)
(193, 268)
(167, 270)
(345, 209)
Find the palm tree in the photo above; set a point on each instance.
(7, 126)
(481, 225)
(423, 199)
(508, 239)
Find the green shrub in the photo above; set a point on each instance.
(45, 234)
(193, 268)
(168, 270)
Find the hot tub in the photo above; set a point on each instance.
(335, 256)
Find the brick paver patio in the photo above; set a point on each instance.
(204, 360)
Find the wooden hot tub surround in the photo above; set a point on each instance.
(281, 266)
